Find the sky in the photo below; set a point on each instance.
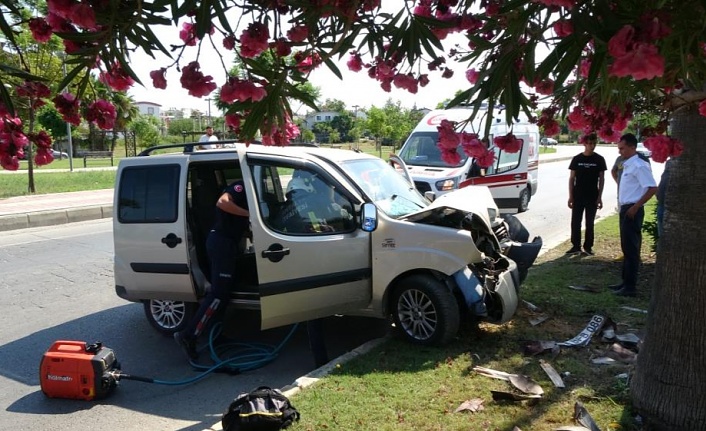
(354, 89)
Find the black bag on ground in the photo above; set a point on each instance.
(263, 409)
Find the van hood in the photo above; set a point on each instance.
(455, 206)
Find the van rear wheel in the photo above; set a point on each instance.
(524, 200)
(425, 311)
(167, 316)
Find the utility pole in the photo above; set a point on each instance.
(355, 120)
(68, 125)
(209, 111)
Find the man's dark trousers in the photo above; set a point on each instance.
(631, 243)
(581, 207)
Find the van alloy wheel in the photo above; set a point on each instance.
(168, 316)
(524, 200)
(425, 310)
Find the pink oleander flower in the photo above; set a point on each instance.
(33, 89)
(423, 80)
(563, 28)
(423, 9)
(621, 42)
(508, 143)
(61, 8)
(57, 23)
(229, 42)
(545, 87)
(83, 15)
(576, 120)
(298, 33)
(43, 156)
(486, 159)
(585, 67)
(663, 147)
(472, 145)
(188, 34)
(450, 157)
(282, 47)
(40, 139)
(568, 4)
(116, 78)
(386, 85)
(642, 63)
(193, 80)
(254, 40)
(309, 63)
(552, 128)
(158, 78)
(41, 30)
(407, 82)
(702, 108)
(472, 76)
(355, 63)
(240, 90)
(102, 113)
(448, 138)
(68, 106)
(280, 135)
(233, 121)
(608, 134)
(8, 162)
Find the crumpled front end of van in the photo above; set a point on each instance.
(490, 284)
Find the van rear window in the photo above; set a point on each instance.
(149, 194)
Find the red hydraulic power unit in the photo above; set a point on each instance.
(77, 370)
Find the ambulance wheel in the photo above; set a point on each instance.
(167, 316)
(524, 200)
(425, 311)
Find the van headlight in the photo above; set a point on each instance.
(446, 185)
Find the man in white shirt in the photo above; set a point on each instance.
(208, 137)
(637, 186)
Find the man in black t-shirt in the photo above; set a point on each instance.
(585, 193)
(230, 223)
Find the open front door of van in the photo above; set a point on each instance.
(312, 260)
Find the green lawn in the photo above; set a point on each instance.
(16, 184)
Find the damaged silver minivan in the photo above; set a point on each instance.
(332, 232)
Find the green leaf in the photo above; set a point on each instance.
(332, 66)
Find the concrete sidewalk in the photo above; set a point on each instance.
(59, 208)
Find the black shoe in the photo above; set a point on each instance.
(588, 251)
(625, 291)
(187, 345)
(615, 287)
(573, 250)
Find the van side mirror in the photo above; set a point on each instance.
(430, 195)
(369, 217)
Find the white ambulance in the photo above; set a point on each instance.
(512, 179)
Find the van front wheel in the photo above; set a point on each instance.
(167, 316)
(524, 200)
(425, 311)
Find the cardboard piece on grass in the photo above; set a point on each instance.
(592, 289)
(513, 396)
(521, 382)
(593, 327)
(552, 373)
(536, 320)
(531, 307)
(628, 339)
(532, 348)
(582, 417)
(525, 384)
(473, 405)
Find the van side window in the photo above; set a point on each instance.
(306, 203)
(149, 194)
(504, 161)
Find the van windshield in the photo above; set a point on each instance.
(387, 188)
(421, 150)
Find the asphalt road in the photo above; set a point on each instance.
(57, 284)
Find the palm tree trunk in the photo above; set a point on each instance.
(669, 387)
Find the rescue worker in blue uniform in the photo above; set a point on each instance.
(230, 224)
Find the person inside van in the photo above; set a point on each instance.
(231, 222)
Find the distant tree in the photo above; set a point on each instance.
(146, 129)
(343, 125)
(49, 118)
(333, 105)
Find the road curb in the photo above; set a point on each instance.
(54, 217)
